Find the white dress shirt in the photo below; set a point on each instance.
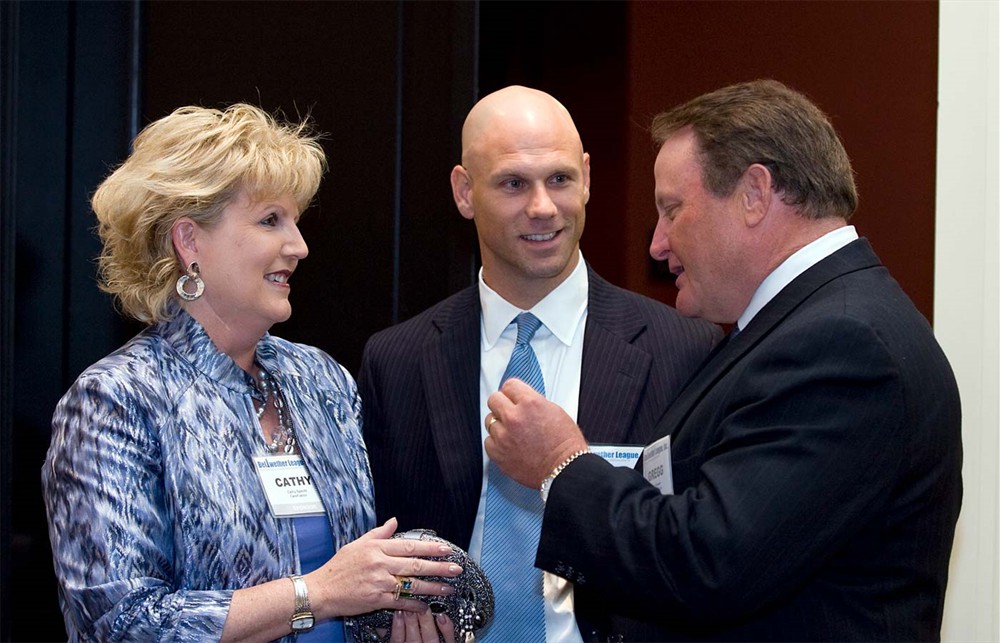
(558, 345)
(803, 259)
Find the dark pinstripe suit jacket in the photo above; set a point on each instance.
(419, 384)
(817, 477)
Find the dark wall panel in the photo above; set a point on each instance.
(438, 251)
(39, 286)
(98, 121)
(66, 105)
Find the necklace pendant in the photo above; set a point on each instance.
(282, 438)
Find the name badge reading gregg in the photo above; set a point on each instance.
(656, 465)
(288, 486)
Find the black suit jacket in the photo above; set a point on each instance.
(419, 383)
(817, 478)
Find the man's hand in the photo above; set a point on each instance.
(528, 435)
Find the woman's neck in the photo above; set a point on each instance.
(238, 342)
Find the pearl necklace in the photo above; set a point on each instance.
(283, 437)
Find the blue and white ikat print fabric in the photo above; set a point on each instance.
(156, 514)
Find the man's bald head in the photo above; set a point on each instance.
(525, 181)
(513, 111)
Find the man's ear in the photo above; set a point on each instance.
(756, 193)
(184, 236)
(586, 178)
(461, 190)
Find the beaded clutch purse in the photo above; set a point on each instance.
(470, 608)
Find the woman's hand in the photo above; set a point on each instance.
(364, 575)
(421, 627)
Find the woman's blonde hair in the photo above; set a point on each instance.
(192, 163)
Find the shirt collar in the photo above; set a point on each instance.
(559, 311)
(800, 261)
(188, 338)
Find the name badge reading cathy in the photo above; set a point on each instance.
(656, 465)
(620, 455)
(288, 486)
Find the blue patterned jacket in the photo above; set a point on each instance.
(156, 513)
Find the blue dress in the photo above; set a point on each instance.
(156, 514)
(315, 548)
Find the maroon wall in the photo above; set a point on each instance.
(872, 66)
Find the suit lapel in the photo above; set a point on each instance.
(614, 371)
(858, 255)
(450, 368)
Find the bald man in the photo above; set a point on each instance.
(612, 359)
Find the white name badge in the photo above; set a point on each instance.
(620, 455)
(288, 486)
(656, 465)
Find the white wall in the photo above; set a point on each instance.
(967, 295)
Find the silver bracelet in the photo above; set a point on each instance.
(547, 482)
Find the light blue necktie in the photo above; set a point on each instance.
(513, 524)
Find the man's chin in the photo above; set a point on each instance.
(685, 306)
(552, 267)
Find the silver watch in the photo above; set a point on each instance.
(302, 618)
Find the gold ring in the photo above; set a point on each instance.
(404, 588)
(493, 420)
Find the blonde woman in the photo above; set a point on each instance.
(208, 480)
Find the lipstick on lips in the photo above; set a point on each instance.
(280, 277)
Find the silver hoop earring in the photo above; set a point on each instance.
(193, 275)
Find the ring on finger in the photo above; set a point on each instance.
(404, 587)
(493, 420)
